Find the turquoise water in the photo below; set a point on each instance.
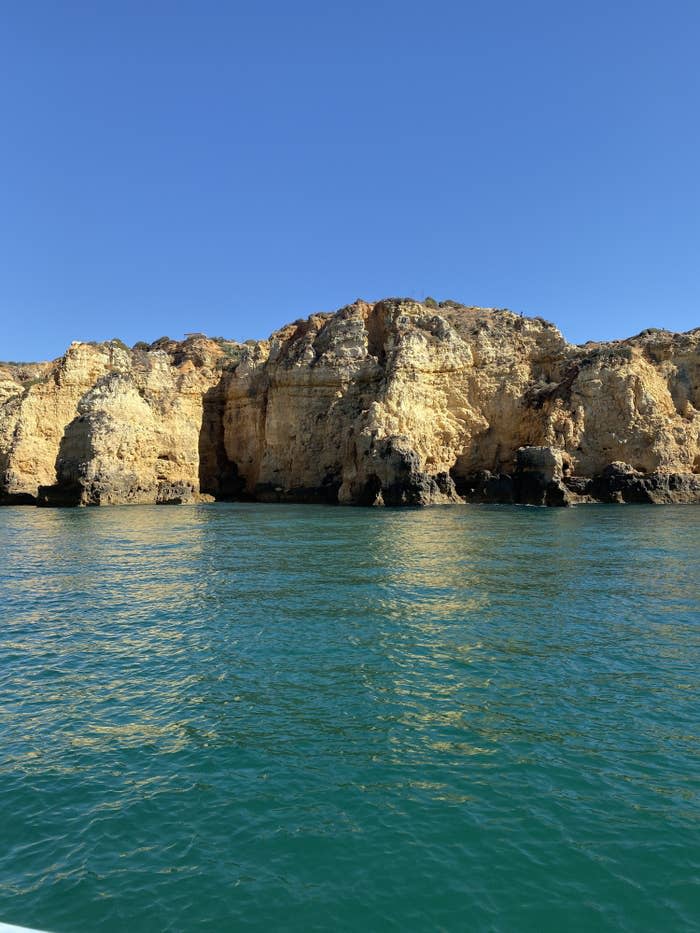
(242, 717)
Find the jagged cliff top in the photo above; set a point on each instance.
(467, 321)
(390, 392)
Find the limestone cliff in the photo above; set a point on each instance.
(387, 403)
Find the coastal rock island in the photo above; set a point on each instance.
(394, 402)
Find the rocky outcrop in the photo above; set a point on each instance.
(386, 403)
(110, 425)
(619, 482)
(539, 476)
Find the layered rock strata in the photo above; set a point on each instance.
(387, 403)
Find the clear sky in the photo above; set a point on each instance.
(227, 167)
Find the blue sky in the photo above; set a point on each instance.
(228, 167)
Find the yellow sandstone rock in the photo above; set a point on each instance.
(385, 403)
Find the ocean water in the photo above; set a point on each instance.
(243, 717)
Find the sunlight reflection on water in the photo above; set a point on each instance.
(309, 718)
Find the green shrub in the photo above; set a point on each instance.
(116, 342)
(32, 382)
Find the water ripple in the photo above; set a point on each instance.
(279, 717)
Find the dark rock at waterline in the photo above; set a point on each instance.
(485, 486)
(542, 477)
(60, 495)
(620, 482)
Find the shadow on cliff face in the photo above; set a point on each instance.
(16, 498)
(218, 476)
(378, 331)
(370, 491)
(74, 451)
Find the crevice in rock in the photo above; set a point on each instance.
(377, 332)
(218, 476)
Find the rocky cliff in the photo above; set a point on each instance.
(394, 402)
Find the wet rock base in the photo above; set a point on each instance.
(543, 476)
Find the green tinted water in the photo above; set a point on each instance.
(297, 718)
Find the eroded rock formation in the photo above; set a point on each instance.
(389, 403)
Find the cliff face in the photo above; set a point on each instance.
(108, 425)
(386, 403)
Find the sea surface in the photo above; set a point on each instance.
(298, 718)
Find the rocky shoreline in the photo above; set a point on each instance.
(395, 402)
(544, 476)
